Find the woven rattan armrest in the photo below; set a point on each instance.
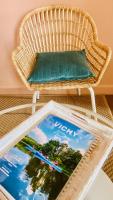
(99, 56)
(23, 61)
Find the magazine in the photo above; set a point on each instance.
(40, 164)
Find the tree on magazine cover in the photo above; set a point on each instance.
(42, 175)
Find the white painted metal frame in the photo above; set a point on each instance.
(36, 97)
(93, 103)
(79, 110)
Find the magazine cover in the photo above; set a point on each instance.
(38, 166)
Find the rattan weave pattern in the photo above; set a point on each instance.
(59, 28)
(10, 120)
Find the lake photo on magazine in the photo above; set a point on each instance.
(39, 165)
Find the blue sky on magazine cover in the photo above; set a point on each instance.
(56, 128)
(12, 171)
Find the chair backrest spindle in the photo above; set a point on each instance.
(56, 29)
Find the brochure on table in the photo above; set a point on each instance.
(54, 154)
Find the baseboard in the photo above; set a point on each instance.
(102, 89)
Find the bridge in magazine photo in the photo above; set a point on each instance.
(41, 157)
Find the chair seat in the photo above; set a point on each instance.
(64, 84)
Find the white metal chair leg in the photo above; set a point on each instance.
(36, 96)
(92, 99)
(79, 91)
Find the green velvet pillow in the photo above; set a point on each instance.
(60, 66)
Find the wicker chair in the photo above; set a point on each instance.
(59, 28)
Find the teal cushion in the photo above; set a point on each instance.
(60, 66)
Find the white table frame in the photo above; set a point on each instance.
(96, 192)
